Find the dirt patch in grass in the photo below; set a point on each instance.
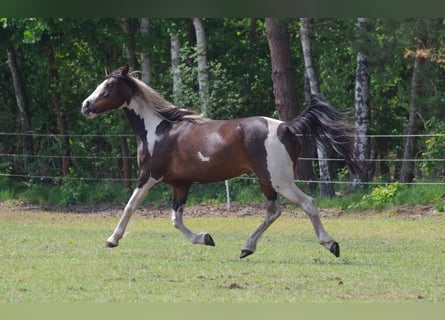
(207, 210)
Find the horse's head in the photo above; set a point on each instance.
(115, 92)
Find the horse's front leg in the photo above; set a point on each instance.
(179, 198)
(138, 195)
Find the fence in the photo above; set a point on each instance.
(7, 157)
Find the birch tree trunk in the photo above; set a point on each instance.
(203, 78)
(407, 170)
(361, 106)
(305, 34)
(326, 188)
(22, 104)
(175, 47)
(145, 54)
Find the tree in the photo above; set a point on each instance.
(175, 47)
(326, 188)
(130, 27)
(22, 103)
(361, 104)
(145, 53)
(305, 35)
(407, 170)
(58, 107)
(201, 51)
(426, 33)
(404, 90)
(283, 77)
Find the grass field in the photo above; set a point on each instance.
(58, 257)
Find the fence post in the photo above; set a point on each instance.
(228, 206)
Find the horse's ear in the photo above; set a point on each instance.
(125, 70)
(107, 71)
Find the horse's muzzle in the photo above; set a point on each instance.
(88, 109)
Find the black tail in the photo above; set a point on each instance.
(321, 121)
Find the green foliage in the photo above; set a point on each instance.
(246, 191)
(380, 196)
(434, 149)
(224, 99)
(240, 85)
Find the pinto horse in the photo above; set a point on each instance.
(180, 148)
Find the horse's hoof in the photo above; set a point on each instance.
(335, 249)
(108, 244)
(208, 241)
(245, 253)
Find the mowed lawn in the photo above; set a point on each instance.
(59, 257)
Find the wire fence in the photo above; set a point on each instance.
(13, 156)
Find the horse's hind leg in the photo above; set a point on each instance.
(138, 195)
(179, 198)
(295, 195)
(272, 213)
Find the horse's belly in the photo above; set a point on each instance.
(206, 172)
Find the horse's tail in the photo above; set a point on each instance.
(321, 121)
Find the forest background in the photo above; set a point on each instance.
(386, 74)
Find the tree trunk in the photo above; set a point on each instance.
(305, 34)
(253, 34)
(361, 106)
(145, 54)
(126, 166)
(203, 78)
(326, 188)
(175, 47)
(130, 27)
(283, 77)
(284, 90)
(59, 110)
(22, 104)
(407, 170)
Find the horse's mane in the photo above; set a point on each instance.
(162, 107)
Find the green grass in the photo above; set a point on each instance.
(58, 257)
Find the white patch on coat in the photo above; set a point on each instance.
(279, 163)
(202, 157)
(213, 142)
(151, 121)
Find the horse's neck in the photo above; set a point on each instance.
(144, 122)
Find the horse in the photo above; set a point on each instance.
(178, 147)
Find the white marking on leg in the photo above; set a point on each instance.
(138, 195)
(202, 157)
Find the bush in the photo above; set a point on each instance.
(380, 197)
